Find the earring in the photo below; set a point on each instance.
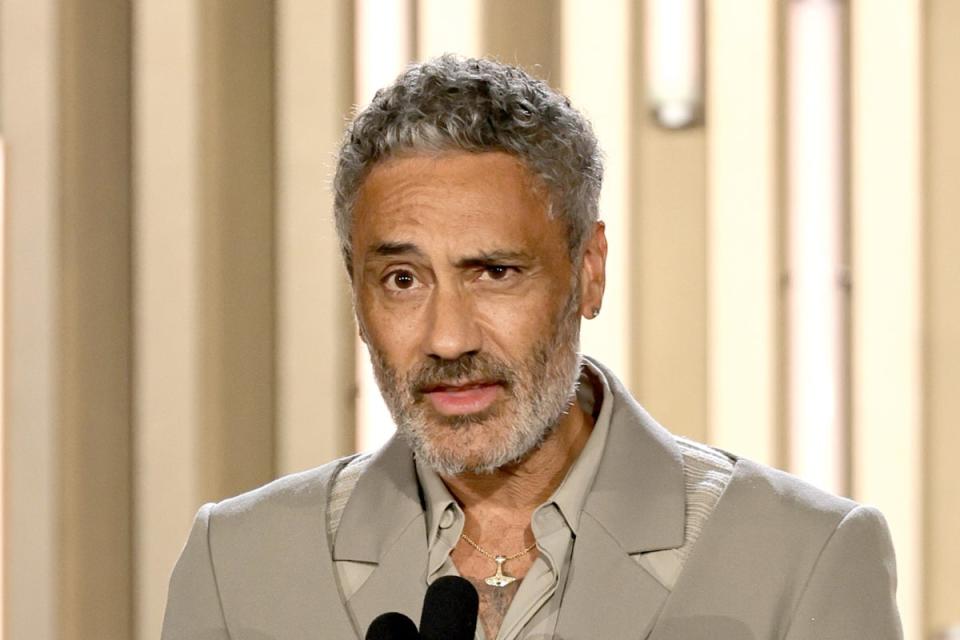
(595, 312)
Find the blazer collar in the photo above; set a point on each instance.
(383, 524)
(638, 495)
(384, 502)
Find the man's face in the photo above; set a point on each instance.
(469, 304)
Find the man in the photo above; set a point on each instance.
(466, 206)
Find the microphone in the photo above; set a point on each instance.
(449, 610)
(392, 626)
(449, 613)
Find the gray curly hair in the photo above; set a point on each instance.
(454, 103)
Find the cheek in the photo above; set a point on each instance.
(517, 323)
(390, 329)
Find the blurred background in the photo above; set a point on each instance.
(782, 200)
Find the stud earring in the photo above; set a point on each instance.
(595, 312)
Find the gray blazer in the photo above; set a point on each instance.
(776, 558)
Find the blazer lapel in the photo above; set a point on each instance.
(608, 595)
(399, 581)
(383, 524)
(636, 505)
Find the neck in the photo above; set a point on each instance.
(518, 489)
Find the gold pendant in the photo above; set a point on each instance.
(500, 579)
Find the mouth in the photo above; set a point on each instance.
(462, 399)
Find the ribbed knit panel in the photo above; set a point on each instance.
(706, 474)
(343, 486)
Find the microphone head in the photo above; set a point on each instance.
(392, 626)
(449, 610)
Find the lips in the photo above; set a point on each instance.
(462, 399)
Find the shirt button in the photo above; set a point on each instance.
(446, 520)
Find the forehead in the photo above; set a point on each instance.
(456, 199)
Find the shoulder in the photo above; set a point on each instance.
(739, 497)
(781, 493)
(776, 554)
(751, 515)
(280, 524)
(715, 476)
(302, 492)
(796, 550)
(269, 545)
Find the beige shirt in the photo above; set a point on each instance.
(533, 611)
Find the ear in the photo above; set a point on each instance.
(593, 272)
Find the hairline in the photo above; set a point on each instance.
(534, 180)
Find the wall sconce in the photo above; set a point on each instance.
(674, 61)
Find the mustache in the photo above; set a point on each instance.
(468, 368)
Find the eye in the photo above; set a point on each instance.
(400, 280)
(498, 272)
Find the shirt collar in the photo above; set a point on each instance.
(572, 493)
(437, 500)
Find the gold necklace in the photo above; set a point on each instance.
(499, 579)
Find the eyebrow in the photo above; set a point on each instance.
(483, 258)
(492, 257)
(395, 249)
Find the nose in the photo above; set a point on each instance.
(452, 329)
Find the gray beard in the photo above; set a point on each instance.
(541, 389)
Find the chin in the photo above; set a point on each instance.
(477, 448)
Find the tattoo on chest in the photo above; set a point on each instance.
(494, 602)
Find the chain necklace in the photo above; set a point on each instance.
(499, 579)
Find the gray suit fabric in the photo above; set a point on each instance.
(777, 558)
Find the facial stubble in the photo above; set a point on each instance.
(538, 391)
